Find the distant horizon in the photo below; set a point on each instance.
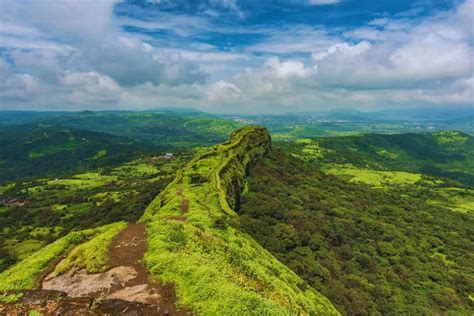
(468, 110)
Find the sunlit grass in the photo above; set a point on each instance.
(373, 177)
(92, 255)
(24, 274)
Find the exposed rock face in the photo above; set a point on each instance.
(82, 284)
(109, 285)
(143, 293)
(58, 303)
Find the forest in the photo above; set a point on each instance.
(369, 250)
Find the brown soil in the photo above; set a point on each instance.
(58, 303)
(184, 206)
(128, 249)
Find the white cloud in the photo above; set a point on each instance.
(222, 90)
(323, 2)
(342, 48)
(286, 69)
(90, 29)
(88, 61)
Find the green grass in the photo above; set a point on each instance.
(310, 150)
(217, 269)
(136, 168)
(450, 137)
(77, 182)
(5, 187)
(444, 258)
(456, 199)
(92, 255)
(102, 196)
(373, 177)
(100, 154)
(25, 273)
(23, 249)
(10, 298)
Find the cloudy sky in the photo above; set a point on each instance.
(236, 55)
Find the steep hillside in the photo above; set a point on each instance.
(195, 241)
(38, 151)
(371, 250)
(444, 154)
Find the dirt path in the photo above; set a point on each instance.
(127, 250)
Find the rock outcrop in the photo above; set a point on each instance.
(194, 240)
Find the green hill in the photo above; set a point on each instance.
(166, 129)
(444, 154)
(195, 241)
(30, 151)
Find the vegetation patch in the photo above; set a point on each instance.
(10, 298)
(25, 273)
(448, 155)
(375, 178)
(23, 249)
(456, 199)
(92, 255)
(451, 137)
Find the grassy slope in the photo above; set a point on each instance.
(439, 165)
(25, 273)
(371, 251)
(445, 154)
(55, 207)
(60, 143)
(194, 240)
(92, 255)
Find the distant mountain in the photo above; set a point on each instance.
(425, 114)
(24, 117)
(413, 114)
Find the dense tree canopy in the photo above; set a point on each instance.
(370, 251)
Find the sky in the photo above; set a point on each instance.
(236, 56)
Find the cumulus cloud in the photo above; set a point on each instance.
(412, 56)
(286, 69)
(85, 36)
(88, 59)
(323, 2)
(342, 48)
(409, 63)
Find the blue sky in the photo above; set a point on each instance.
(236, 55)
